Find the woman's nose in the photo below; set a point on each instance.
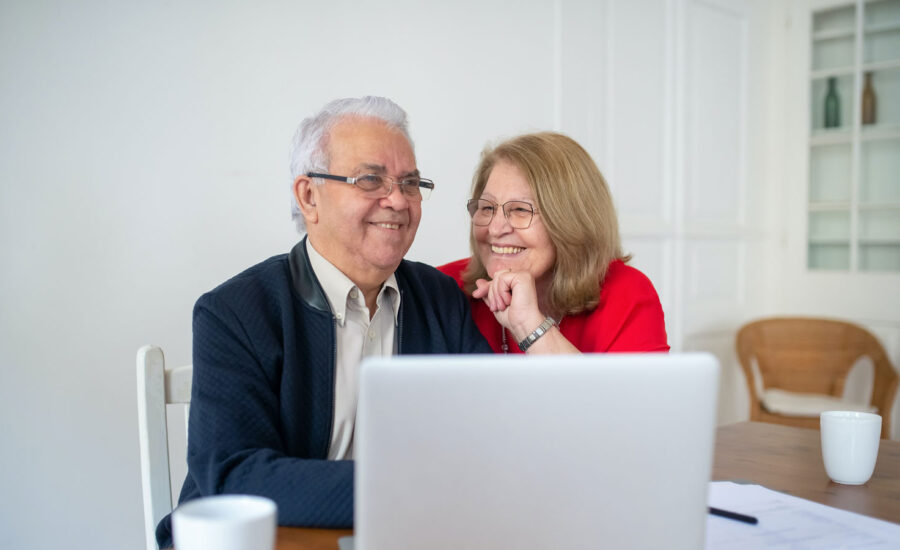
(499, 224)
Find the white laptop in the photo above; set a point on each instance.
(498, 452)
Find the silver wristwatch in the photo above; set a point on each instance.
(538, 332)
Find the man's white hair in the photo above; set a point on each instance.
(309, 148)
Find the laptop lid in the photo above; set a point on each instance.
(576, 451)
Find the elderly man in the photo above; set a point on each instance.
(277, 348)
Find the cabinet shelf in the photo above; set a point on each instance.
(876, 206)
(831, 136)
(880, 242)
(876, 28)
(847, 32)
(878, 132)
(839, 136)
(832, 34)
(820, 74)
(836, 206)
(880, 65)
(843, 206)
(813, 241)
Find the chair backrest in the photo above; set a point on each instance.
(812, 355)
(158, 386)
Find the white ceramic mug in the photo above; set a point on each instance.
(225, 522)
(850, 445)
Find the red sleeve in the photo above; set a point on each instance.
(629, 317)
(455, 270)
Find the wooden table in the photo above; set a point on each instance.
(781, 458)
(789, 460)
(299, 538)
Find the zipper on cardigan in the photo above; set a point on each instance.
(333, 383)
(400, 323)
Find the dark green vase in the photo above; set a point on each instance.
(832, 105)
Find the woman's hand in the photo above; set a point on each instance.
(512, 297)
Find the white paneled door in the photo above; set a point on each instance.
(666, 113)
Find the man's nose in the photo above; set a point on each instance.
(395, 197)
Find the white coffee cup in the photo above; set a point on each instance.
(225, 522)
(850, 445)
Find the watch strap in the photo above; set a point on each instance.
(538, 332)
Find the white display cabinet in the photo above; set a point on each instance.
(854, 167)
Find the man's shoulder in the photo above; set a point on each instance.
(424, 276)
(271, 276)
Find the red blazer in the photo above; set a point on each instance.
(629, 316)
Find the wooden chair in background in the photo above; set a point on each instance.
(797, 367)
(158, 386)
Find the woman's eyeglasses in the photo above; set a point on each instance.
(518, 213)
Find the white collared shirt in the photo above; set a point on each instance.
(357, 337)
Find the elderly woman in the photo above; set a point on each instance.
(547, 272)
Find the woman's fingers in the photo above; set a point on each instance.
(492, 292)
(500, 291)
(499, 294)
(481, 290)
(504, 289)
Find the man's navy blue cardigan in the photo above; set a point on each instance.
(262, 402)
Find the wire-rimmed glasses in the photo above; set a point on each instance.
(377, 186)
(518, 213)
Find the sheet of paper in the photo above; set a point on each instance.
(786, 521)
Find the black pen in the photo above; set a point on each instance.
(733, 515)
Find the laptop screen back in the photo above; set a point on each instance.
(490, 452)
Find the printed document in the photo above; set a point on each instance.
(786, 521)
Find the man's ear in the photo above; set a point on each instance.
(305, 193)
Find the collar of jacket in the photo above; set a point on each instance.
(306, 285)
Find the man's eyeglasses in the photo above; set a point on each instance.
(518, 213)
(376, 186)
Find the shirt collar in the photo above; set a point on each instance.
(338, 287)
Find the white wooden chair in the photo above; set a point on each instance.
(158, 386)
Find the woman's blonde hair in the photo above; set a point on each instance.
(576, 207)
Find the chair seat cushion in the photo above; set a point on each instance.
(790, 403)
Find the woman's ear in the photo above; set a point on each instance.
(305, 195)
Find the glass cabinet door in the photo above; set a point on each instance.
(854, 146)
